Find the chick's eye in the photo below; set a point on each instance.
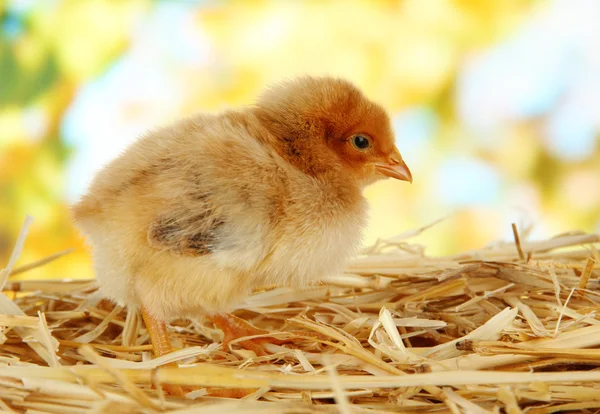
(361, 142)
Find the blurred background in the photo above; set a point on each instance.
(496, 104)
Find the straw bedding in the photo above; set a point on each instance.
(510, 328)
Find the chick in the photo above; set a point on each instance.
(193, 216)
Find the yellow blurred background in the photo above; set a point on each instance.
(496, 104)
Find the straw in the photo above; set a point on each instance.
(511, 327)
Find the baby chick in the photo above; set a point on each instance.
(193, 216)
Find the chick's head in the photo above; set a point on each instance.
(326, 125)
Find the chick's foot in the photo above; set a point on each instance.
(234, 328)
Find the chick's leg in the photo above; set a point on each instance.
(159, 337)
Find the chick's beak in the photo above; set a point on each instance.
(395, 167)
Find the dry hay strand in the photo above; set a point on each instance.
(510, 328)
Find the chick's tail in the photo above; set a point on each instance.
(85, 209)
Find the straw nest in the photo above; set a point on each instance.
(511, 328)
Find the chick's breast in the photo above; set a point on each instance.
(191, 217)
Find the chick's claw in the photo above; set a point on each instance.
(229, 392)
(174, 390)
(181, 391)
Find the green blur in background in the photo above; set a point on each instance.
(496, 104)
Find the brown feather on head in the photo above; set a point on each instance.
(323, 125)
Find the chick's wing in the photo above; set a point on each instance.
(187, 232)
